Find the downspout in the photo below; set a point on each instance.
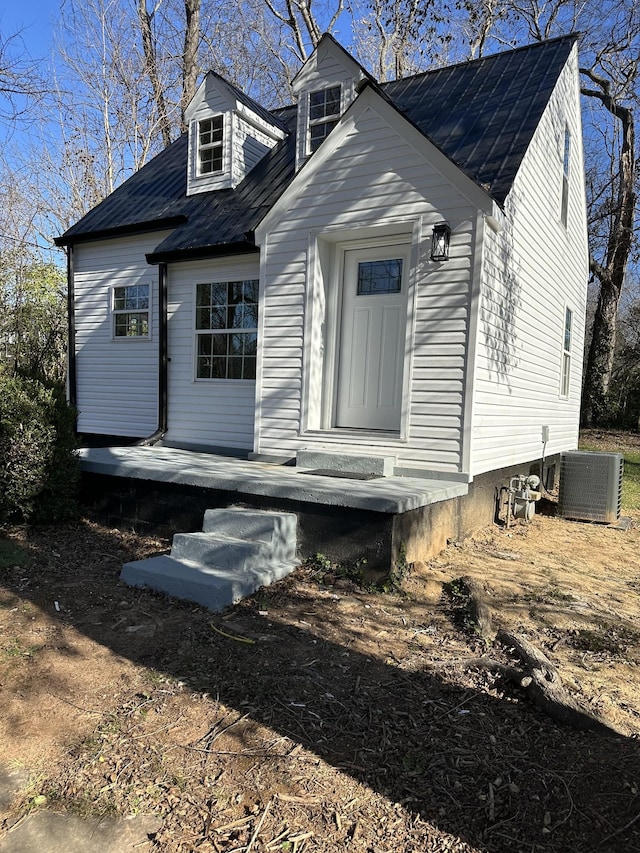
(72, 384)
(163, 361)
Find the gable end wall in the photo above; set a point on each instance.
(373, 176)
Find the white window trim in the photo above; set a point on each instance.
(198, 148)
(197, 332)
(566, 355)
(115, 312)
(325, 119)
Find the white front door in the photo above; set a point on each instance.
(372, 338)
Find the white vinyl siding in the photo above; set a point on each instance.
(357, 189)
(117, 379)
(566, 172)
(209, 413)
(532, 269)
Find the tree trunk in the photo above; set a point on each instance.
(612, 272)
(190, 55)
(151, 67)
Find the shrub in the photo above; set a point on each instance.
(39, 469)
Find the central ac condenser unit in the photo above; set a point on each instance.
(590, 486)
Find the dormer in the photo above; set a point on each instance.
(325, 86)
(229, 133)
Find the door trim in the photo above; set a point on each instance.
(377, 362)
(334, 326)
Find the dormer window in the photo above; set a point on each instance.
(210, 145)
(324, 114)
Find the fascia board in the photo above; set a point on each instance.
(195, 102)
(369, 99)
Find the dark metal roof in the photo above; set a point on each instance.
(481, 114)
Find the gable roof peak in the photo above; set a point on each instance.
(233, 95)
(327, 46)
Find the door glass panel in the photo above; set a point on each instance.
(375, 277)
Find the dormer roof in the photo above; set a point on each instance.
(214, 89)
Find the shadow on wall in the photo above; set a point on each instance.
(501, 300)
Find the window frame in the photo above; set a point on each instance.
(565, 360)
(227, 330)
(566, 171)
(326, 118)
(123, 312)
(209, 146)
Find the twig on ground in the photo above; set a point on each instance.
(258, 827)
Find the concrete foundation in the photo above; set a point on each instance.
(409, 521)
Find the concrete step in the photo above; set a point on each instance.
(249, 549)
(381, 466)
(256, 525)
(211, 550)
(211, 586)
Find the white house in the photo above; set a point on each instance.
(392, 270)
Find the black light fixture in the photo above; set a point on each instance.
(440, 241)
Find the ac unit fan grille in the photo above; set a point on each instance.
(591, 486)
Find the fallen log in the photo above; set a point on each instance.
(538, 677)
(543, 685)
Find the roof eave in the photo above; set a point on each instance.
(67, 239)
(194, 253)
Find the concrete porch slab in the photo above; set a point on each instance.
(392, 495)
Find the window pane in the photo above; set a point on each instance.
(203, 294)
(567, 330)
(324, 102)
(316, 104)
(211, 160)
(333, 101)
(235, 368)
(567, 152)
(250, 317)
(250, 291)
(203, 318)
(219, 344)
(131, 325)
(218, 293)
(249, 368)
(566, 374)
(210, 130)
(219, 368)
(375, 277)
(229, 307)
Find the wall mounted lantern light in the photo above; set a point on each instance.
(440, 241)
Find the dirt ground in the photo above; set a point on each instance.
(321, 716)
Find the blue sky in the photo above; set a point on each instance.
(36, 19)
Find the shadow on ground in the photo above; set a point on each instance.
(490, 770)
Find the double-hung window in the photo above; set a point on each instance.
(210, 133)
(227, 329)
(565, 378)
(566, 159)
(324, 114)
(131, 311)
